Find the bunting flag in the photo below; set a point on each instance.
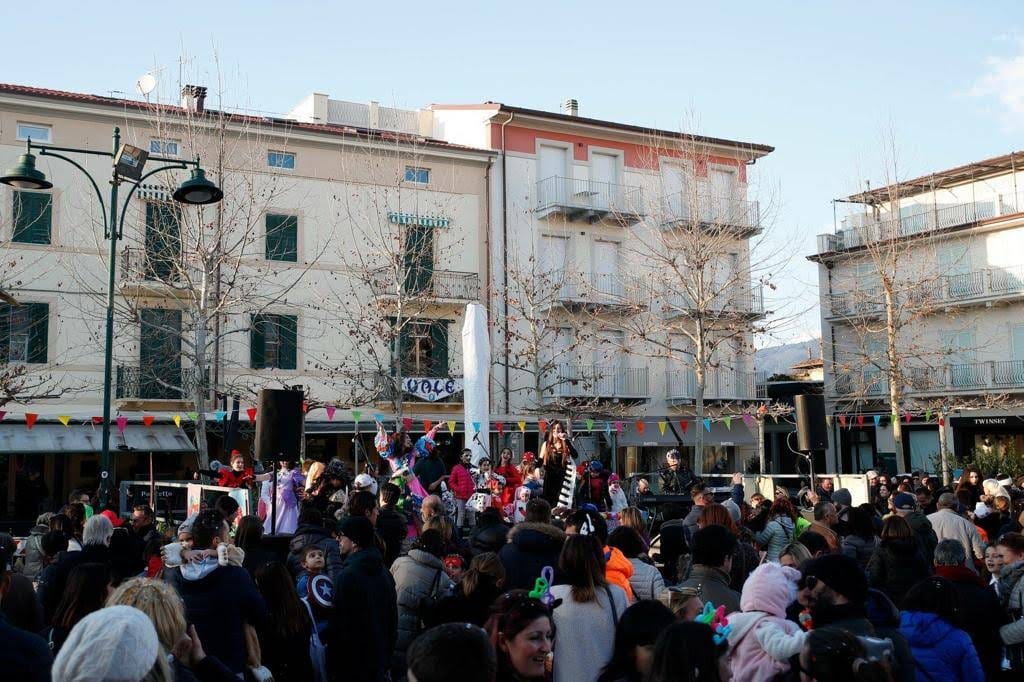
(2, 415)
(356, 414)
(878, 420)
(476, 427)
(728, 422)
(330, 412)
(522, 426)
(608, 429)
(662, 426)
(590, 425)
(64, 419)
(122, 423)
(30, 419)
(842, 420)
(906, 417)
(305, 406)
(928, 415)
(378, 418)
(177, 420)
(427, 425)
(252, 415)
(194, 416)
(828, 420)
(763, 410)
(407, 424)
(220, 415)
(500, 428)
(147, 419)
(942, 421)
(451, 426)
(860, 420)
(748, 421)
(683, 424)
(707, 425)
(542, 424)
(639, 426)
(618, 428)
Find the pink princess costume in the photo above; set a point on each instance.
(402, 468)
(287, 501)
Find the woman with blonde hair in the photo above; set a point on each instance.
(794, 555)
(632, 517)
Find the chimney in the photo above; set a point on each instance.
(193, 98)
(571, 107)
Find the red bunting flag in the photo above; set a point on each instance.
(942, 421)
(906, 417)
(305, 406)
(30, 419)
(97, 420)
(252, 415)
(427, 425)
(842, 420)
(147, 419)
(543, 424)
(122, 423)
(500, 428)
(860, 420)
(639, 426)
(407, 424)
(684, 425)
(2, 414)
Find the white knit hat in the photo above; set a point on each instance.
(981, 510)
(115, 644)
(366, 482)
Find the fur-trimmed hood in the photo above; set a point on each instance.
(526, 533)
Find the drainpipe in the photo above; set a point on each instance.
(504, 257)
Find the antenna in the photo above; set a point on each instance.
(145, 84)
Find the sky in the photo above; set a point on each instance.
(829, 85)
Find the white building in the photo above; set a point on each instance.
(955, 238)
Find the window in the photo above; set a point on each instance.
(284, 160)
(424, 349)
(33, 216)
(273, 341)
(24, 332)
(164, 147)
(282, 242)
(35, 131)
(418, 175)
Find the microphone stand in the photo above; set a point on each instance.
(476, 439)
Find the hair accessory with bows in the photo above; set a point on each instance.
(542, 586)
(716, 620)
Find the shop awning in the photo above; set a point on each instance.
(53, 439)
(739, 434)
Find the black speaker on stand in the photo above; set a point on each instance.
(811, 433)
(280, 428)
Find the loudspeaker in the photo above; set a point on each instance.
(279, 425)
(811, 434)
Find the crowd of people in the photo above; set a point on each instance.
(475, 572)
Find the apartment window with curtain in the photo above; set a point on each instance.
(424, 349)
(32, 217)
(273, 341)
(24, 332)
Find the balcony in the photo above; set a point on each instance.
(164, 384)
(867, 385)
(861, 229)
(595, 291)
(150, 273)
(589, 200)
(738, 217)
(731, 302)
(426, 385)
(424, 284)
(992, 376)
(720, 385)
(597, 382)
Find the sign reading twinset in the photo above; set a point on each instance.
(416, 219)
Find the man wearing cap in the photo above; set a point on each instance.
(948, 525)
(23, 655)
(905, 505)
(364, 623)
(676, 478)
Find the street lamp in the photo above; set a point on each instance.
(128, 163)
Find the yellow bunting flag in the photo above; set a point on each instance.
(64, 419)
(451, 426)
(522, 427)
(177, 420)
(662, 426)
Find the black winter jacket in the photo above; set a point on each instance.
(363, 625)
(392, 527)
(896, 565)
(530, 547)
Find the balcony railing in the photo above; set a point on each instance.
(870, 384)
(580, 199)
(862, 229)
(724, 213)
(992, 376)
(426, 284)
(159, 383)
(719, 384)
(604, 382)
(140, 265)
(731, 301)
(599, 289)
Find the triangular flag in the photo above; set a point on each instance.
(608, 429)
(252, 415)
(928, 415)
(662, 426)
(542, 424)
(707, 425)
(842, 420)
(451, 426)
(500, 428)
(618, 427)
(860, 420)
(522, 426)
(305, 406)
(122, 422)
(828, 420)
(147, 419)
(639, 426)
(942, 421)
(177, 420)
(683, 424)
(220, 415)
(356, 414)
(378, 418)
(194, 416)
(407, 424)
(748, 421)
(427, 424)
(64, 419)
(2, 414)
(906, 417)
(30, 419)
(878, 421)
(590, 425)
(728, 421)
(330, 412)
(476, 427)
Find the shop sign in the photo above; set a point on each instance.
(416, 219)
(432, 390)
(963, 422)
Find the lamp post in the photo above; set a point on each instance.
(127, 166)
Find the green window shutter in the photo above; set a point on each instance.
(439, 348)
(33, 215)
(287, 326)
(282, 241)
(257, 343)
(5, 332)
(163, 240)
(39, 332)
(418, 258)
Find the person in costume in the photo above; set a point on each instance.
(290, 488)
(556, 453)
(510, 472)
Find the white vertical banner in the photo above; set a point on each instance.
(476, 367)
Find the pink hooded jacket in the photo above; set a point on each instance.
(762, 640)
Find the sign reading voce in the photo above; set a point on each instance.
(432, 389)
(416, 219)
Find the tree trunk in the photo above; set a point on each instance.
(895, 377)
(943, 450)
(199, 396)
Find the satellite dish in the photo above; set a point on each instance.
(145, 84)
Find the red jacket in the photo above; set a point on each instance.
(513, 479)
(229, 478)
(461, 483)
